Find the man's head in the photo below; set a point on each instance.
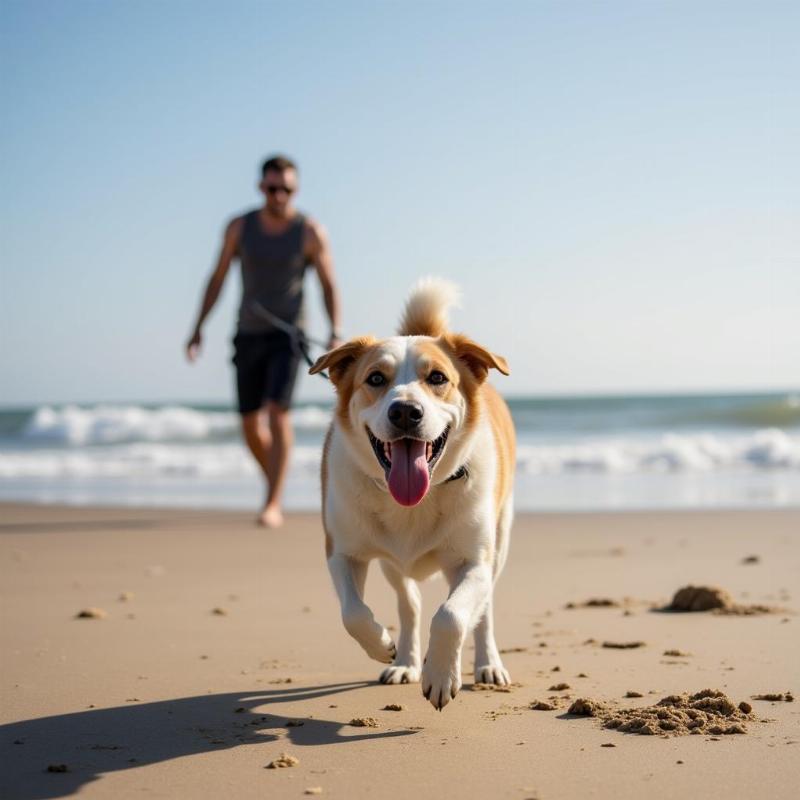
(278, 183)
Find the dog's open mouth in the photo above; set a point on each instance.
(408, 464)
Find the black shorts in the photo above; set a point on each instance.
(266, 369)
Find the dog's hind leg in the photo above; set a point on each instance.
(488, 664)
(407, 664)
(349, 576)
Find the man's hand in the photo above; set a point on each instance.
(193, 346)
(334, 341)
(230, 246)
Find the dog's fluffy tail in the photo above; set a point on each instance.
(425, 313)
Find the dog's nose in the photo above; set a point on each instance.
(405, 415)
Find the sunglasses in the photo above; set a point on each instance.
(276, 189)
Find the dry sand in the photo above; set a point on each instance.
(164, 696)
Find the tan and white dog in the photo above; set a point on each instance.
(417, 471)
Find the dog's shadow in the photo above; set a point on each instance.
(96, 741)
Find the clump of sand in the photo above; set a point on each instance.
(542, 705)
(709, 711)
(364, 722)
(594, 602)
(91, 613)
(282, 761)
(786, 697)
(712, 598)
(700, 598)
(494, 687)
(393, 707)
(584, 707)
(623, 645)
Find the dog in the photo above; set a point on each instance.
(417, 471)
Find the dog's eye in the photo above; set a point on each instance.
(376, 379)
(437, 378)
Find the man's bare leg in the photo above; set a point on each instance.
(277, 461)
(270, 446)
(258, 440)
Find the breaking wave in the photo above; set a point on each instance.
(769, 449)
(106, 424)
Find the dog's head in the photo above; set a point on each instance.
(405, 402)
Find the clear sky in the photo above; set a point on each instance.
(613, 184)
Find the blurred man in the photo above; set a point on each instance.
(274, 245)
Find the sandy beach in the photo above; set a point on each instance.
(220, 648)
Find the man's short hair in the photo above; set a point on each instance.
(277, 163)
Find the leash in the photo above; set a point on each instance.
(298, 336)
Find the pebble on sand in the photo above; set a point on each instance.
(91, 613)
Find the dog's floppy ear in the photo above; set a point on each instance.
(340, 359)
(477, 358)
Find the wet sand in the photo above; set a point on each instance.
(220, 649)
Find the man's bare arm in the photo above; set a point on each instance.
(322, 259)
(230, 245)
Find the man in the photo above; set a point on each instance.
(274, 245)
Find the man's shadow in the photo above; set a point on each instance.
(103, 740)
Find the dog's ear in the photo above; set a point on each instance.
(340, 359)
(477, 358)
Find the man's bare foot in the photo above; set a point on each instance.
(271, 517)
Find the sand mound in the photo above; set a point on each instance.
(700, 598)
(712, 598)
(709, 711)
(364, 722)
(542, 705)
(584, 707)
(283, 761)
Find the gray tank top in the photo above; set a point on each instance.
(273, 266)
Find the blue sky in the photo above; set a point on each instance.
(614, 185)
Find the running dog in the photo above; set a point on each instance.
(417, 472)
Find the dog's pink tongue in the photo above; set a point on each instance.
(408, 478)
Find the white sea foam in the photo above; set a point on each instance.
(106, 424)
(765, 450)
(144, 461)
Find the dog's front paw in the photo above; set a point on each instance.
(400, 673)
(440, 685)
(382, 649)
(492, 673)
(371, 635)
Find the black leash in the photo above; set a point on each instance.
(298, 336)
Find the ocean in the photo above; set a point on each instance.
(574, 453)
